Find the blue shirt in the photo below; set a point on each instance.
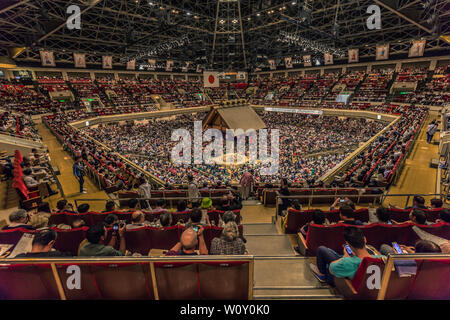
(346, 267)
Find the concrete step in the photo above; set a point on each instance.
(260, 229)
(292, 293)
(273, 245)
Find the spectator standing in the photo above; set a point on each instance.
(78, 172)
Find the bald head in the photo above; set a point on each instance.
(189, 239)
(137, 217)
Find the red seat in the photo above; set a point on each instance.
(177, 280)
(27, 282)
(164, 238)
(69, 240)
(138, 240)
(432, 281)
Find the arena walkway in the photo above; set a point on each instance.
(417, 176)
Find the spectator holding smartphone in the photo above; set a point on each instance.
(96, 236)
(190, 238)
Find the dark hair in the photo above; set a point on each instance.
(77, 158)
(349, 203)
(61, 204)
(347, 211)
(44, 207)
(229, 216)
(27, 171)
(95, 232)
(110, 218)
(165, 218)
(82, 208)
(132, 203)
(44, 237)
(420, 216)
(195, 204)
(354, 237)
(436, 202)
(318, 217)
(181, 206)
(296, 205)
(426, 246)
(137, 217)
(109, 206)
(445, 215)
(419, 199)
(190, 178)
(383, 214)
(160, 203)
(196, 215)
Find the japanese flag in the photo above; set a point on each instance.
(210, 79)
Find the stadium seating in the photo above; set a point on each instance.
(217, 278)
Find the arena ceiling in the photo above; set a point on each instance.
(224, 34)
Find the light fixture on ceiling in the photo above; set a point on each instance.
(7, 63)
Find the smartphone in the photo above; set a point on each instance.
(342, 200)
(397, 248)
(348, 249)
(115, 227)
(196, 228)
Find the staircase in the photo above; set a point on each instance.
(279, 273)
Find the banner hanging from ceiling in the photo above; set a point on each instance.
(151, 64)
(382, 52)
(79, 60)
(210, 79)
(353, 55)
(328, 58)
(169, 65)
(307, 61)
(186, 66)
(107, 62)
(47, 58)
(131, 65)
(288, 62)
(417, 48)
(272, 65)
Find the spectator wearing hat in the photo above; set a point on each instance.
(229, 242)
(19, 219)
(206, 206)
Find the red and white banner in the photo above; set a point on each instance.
(47, 59)
(307, 61)
(79, 60)
(328, 58)
(353, 55)
(382, 52)
(131, 65)
(417, 49)
(288, 62)
(210, 79)
(107, 62)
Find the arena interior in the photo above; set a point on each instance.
(110, 108)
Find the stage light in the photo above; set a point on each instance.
(293, 3)
(258, 14)
(188, 13)
(235, 21)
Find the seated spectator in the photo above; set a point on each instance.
(110, 220)
(181, 206)
(421, 246)
(110, 206)
(83, 208)
(38, 221)
(382, 215)
(165, 220)
(444, 216)
(137, 221)
(96, 235)
(160, 206)
(195, 218)
(318, 217)
(189, 241)
(78, 223)
(342, 202)
(418, 202)
(42, 246)
(18, 219)
(436, 203)
(229, 243)
(228, 216)
(331, 264)
(132, 206)
(63, 206)
(347, 215)
(416, 216)
(30, 182)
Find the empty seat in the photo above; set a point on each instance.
(69, 240)
(138, 240)
(177, 280)
(164, 238)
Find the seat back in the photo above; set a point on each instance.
(164, 238)
(177, 280)
(224, 280)
(110, 281)
(432, 281)
(138, 240)
(399, 215)
(378, 234)
(328, 236)
(296, 219)
(69, 240)
(27, 282)
(181, 217)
